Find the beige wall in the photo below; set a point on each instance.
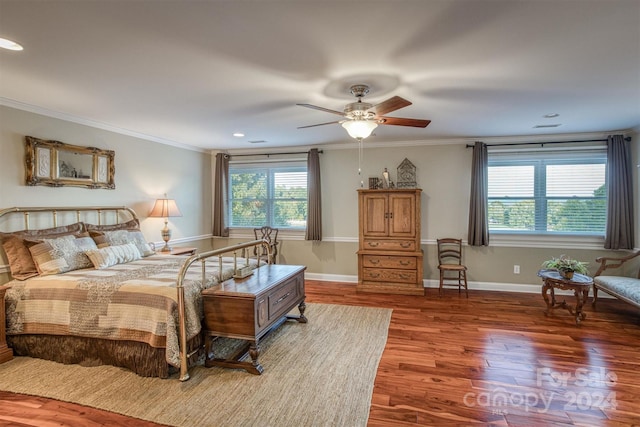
(443, 173)
(145, 170)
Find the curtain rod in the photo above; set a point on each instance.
(549, 142)
(272, 154)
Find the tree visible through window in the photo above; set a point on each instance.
(268, 195)
(548, 192)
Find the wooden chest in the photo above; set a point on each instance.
(249, 308)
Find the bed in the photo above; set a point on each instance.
(93, 291)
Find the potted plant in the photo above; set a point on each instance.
(566, 266)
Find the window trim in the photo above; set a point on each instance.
(545, 157)
(269, 165)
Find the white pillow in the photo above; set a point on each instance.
(112, 255)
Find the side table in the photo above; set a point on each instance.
(182, 251)
(6, 353)
(579, 284)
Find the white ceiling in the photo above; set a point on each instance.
(194, 72)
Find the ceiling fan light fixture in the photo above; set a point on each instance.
(359, 129)
(10, 45)
(361, 118)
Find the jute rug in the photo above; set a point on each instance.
(315, 374)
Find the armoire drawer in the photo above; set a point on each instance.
(389, 261)
(390, 245)
(389, 275)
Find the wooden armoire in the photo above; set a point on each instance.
(389, 253)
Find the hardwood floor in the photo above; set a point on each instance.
(491, 359)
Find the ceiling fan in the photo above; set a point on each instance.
(361, 118)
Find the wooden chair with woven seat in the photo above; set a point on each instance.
(269, 234)
(452, 271)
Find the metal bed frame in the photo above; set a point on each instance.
(202, 257)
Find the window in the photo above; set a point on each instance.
(268, 194)
(548, 192)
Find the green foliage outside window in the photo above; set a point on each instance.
(512, 215)
(572, 215)
(547, 192)
(268, 196)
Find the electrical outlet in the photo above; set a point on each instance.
(516, 269)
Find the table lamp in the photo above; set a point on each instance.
(164, 208)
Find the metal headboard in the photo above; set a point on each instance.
(100, 210)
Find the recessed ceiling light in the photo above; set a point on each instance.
(9, 44)
(238, 134)
(551, 115)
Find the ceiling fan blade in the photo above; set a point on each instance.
(315, 107)
(391, 104)
(319, 124)
(399, 121)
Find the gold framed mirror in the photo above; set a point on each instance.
(57, 164)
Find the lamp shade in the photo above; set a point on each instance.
(165, 208)
(359, 129)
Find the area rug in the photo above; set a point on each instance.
(315, 374)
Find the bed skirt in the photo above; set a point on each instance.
(140, 358)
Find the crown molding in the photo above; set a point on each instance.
(94, 124)
(352, 144)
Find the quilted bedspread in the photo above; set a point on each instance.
(136, 301)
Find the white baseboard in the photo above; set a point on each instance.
(526, 288)
(331, 277)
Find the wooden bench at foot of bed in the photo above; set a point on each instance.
(249, 308)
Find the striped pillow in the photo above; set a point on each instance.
(121, 237)
(112, 255)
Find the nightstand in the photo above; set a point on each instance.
(182, 251)
(6, 353)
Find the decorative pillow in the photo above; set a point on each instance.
(121, 237)
(20, 262)
(84, 242)
(132, 224)
(59, 255)
(112, 255)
